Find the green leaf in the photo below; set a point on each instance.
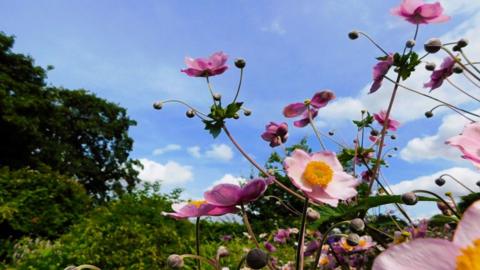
(232, 109)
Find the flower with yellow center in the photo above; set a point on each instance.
(320, 176)
(463, 253)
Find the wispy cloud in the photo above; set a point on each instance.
(166, 149)
(220, 152)
(170, 173)
(274, 27)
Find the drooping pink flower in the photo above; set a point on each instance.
(469, 143)
(319, 100)
(439, 75)
(269, 247)
(206, 67)
(282, 236)
(275, 133)
(320, 176)
(438, 254)
(380, 70)
(197, 209)
(227, 195)
(418, 12)
(381, 117)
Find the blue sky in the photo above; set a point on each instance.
(131, 52)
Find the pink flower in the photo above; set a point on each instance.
(320, 176)
(319, 100)
(269, 247)
(438, 254)
(311, 248)
(468, 142)
(282, 236)
(197, 209)
(229, 195)
(276, 134)
(439, 75)
(205, 67)
(364, 243)
(380, 70)
(418, 12)
(381, 118)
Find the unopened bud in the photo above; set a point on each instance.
(440, 181)
(256, 258)
(353, 239)
(247, 112)
(222, 252)
(353, 35)
(175, 261)
(430, 66)
(236, 116)
(158, 105)
(331, 133)
(433, 45)
(456, 48)
(393, 137)
(357, 225)
(409, 198)
(312, 215)
(448, 194)
(462, 43)
(429, 114)
(374, 132)
(457, 69)
(240, 63)
(478, 183)
(410, 43)
(190, 113)
(217, 96)
(395, 148)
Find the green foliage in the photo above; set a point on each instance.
(406, 63)
(38, 204)
(129, 233)
(467, 200)
(218, 114)
(73, 132)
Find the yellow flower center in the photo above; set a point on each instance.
(469, 258)
(318, 173)
(197, 203)
(324, 260)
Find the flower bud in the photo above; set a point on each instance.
(240, 63)
(448, 193)
(222, 252)
(374, 132)
(247, 112)
(456, 48)
(462, 43)
(457, 69)
(236, 116)
(312, 215)
(410, 43)
(256, 259)
(393, 137)
(353, 239)
(357, 225)
(217, 96)
(433, 45)
(409, 198)
(175, 261)
(430, 66)
(429, 114)
(331, 133)
(395, 148)
(444, 208)
(353, 35)
(158, 105)
(478, 183)
(190, 113)
(440, 181)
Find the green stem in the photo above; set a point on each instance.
(324, 239)
(197, 241)
(301, 238)
(239, 266)
(239, 86)
(249, 227)
(468, 61)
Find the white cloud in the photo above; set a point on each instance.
(167, 148)
(220, 152)
(229, 179)
(433, 146)
(194, 151)
(274, 27)
(427, 182)
(168, 173)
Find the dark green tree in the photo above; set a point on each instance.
(71, 131)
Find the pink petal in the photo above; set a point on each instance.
(468, 229)
(439, 19)
(294, 109)
(218, 59)
(295, 166)
(253, 190)
(218, 70)
(219, 211)
(319, 194)
(321, 99)
(409, 6)
(419, 254)
(223, 195)
(342, 186)
(430, 10)
(305, 119)
(468, 142)
(328, 157)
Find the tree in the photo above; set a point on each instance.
(71, 131)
